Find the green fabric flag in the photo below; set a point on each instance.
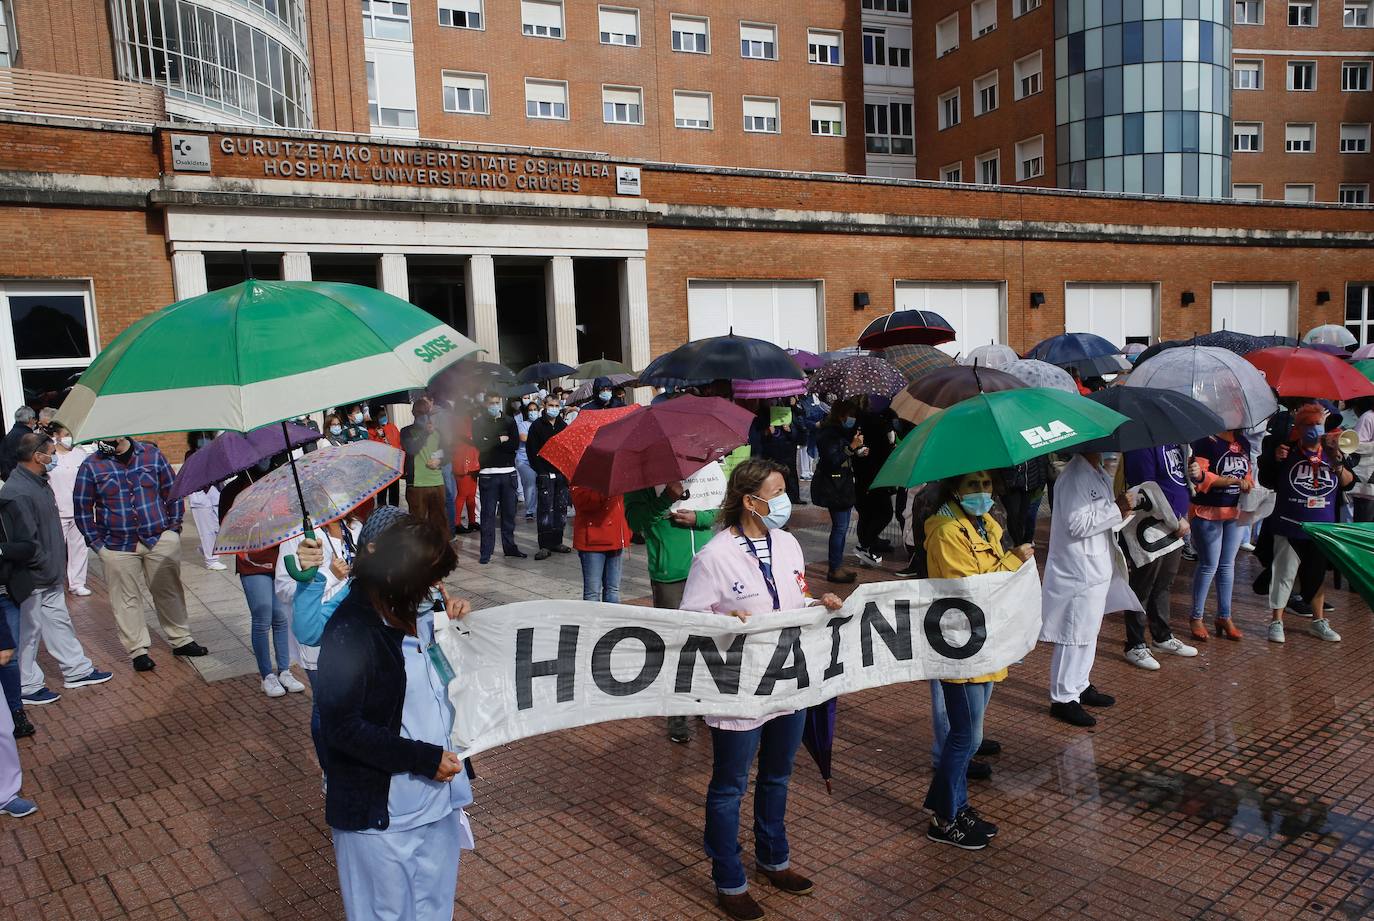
(1350, 548)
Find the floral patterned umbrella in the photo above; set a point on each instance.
(859, 376)
(916, 361)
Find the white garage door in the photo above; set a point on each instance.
(1120, 314)
(973, 309)
(1260, 310)
(784, 312)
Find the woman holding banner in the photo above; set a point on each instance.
(751, 567)
(963, 539)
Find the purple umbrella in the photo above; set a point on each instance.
(233, 453)
(807, 361)
(818, 735)
(768, 388)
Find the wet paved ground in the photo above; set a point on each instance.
(1237, 785)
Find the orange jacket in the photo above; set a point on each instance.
(599, 524)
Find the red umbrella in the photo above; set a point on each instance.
(566, 448)
(662, 444)
(1309, 373)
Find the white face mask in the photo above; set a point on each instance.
(65, 441)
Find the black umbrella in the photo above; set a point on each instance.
(544, 371)
(1157, 417)
(722, 358)
(907, 327)
(1230, 340)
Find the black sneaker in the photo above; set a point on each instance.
(517, 554)
(1189, 554)
(192, 649)
(1092, 697)
(541, 554)
(988, 748)
(1072, 713)
(144, 663)
(1327, 607)
(562, 548)
(23, 726)
(958, 835)
(1299, 606)
(679, 730)
(970, 818)
(978, 770)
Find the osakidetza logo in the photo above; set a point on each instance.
(1049, 434)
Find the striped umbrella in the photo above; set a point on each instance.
(859, 376)
(916, 361)
(768, 388)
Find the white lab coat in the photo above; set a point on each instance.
(1085, 575)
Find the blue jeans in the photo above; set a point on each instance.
(268, 616)
(601, 575)
(450, 497)
(1216, 543)
(9, 674)
(775, 743)
(315, 735)
(839, 529)
(939, 722)
(965, 705)
(527, 488)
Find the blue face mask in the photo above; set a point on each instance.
(977, 503)
(381, 420)
(336, 429)
(779, 510)
(849, 423)
(551, 411)
(495, 410)
(569, 418)
(605, 395)
(51, 464)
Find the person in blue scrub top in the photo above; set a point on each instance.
(395, 795)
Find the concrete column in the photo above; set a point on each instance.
(188, 273)
(295, 267)
(395, 277)
(480, 285)
(560, 302)
(634, 313)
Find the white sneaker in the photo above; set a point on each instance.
(1176, 647)
(271, 686)
(1276, 631)
(289, 682)
(1321, 628)
(867, 557)
(1141, 658)
(216, 566)
(1248, 547)
(81, 591)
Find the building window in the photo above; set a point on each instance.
(465, 94)
(947, 35)
(1027, 73)
(1246, 191)
(1302, 12)
(622, 105)
(758, 41)
(546, 99)
(1355, 138)
(875, 46)
(1248, 12)
(887, 48)
(888, 126)
(691, 110)
(1249, 75)
(1355, 76)
(1030, 159)
(1354, 194)
(1356, 14)
(460, 14)
(48, 333)
(386, 19)
(949, 109)
(542, 18)
(1298, 138)
(1247, 137)
(691, 34)
(1302, 75)
(827, 119)
(6, 39)
(391, 90)
(985, 94)
(1298, 192)
(984, 16)
(952, 173)
(1359, 310)
(760, 115)
(1022, 7)
(619, 26)
(986, 168)
(888, 6)
(824, 47)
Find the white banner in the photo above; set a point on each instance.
(704, 490)
(1150, 531)
(537, 666)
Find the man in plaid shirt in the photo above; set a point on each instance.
(124, 509)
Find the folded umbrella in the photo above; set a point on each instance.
(722, 358)
(544, 371)
(1350, 549)
(1331, 334)
(565, 449)
(1035, 373)
(601, 367)
(661, 444)
(947, 386)
(906, 327)
(1154, 417)
(863, 375)
(818, 735)
(1224, 382)
(993, 355)
(916, 361)
(233, 452)
(768, 389)
(1306, 372)
(995, 430)
(332, 482)
(807, 361)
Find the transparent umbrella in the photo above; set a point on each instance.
(1221, 380)
(993, 355)
(1331, 334)
(1036, 373)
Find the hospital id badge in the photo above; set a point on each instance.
(440, 663)
(1316, 503)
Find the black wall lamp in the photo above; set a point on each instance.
(1188, 298)
(1323, 297)
(1036, 299)
(860, 300)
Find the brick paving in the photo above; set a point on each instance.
(1236, 785)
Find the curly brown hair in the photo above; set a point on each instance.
(745, 480)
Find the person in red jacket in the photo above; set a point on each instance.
(465, 464)
(381, 428)
(600, 536)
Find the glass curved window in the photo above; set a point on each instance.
(212, 60)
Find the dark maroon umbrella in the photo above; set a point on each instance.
(661, 444)
(907, 327)
(818, 735)
(233, 452)
(946, 386)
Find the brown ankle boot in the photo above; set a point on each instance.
(789, 880)
(741, 907)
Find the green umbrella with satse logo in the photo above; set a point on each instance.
(990, 431)
(1350, 548)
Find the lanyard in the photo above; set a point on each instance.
(765, 568)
